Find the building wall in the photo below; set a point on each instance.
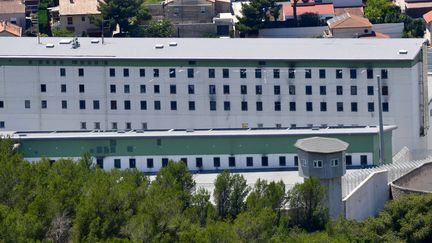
(350, 32)
(16, 18)
(190, 11)
(80, 25)
(347, 3)
(402, 83)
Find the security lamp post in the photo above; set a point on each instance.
(102, 28)
(381, 127)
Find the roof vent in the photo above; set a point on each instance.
(65, 41)
(190, 130)
(94, 41)
(173, 44)
(49, 45)
(159, 46)
(403, 52)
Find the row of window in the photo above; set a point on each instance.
(308, 73)
(226, 89)
(127, 105)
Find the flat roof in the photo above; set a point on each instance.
(214, 49)
(196, 133)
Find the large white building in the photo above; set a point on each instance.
(127, 84)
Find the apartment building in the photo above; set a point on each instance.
(146, 84)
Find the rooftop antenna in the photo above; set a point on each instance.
(38, 38)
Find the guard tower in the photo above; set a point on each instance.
(324, 158)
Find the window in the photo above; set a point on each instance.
(211, 73)
(81, 88)
(296, 161)
(339, 90)
(114, 126)
(322, 73)
(190, 72)
(143, 105)
(191, 105)
(354, 106)
(99, 162)
(353, 90)
(157, 105)
(291, 89)
(63, 88)
(212, 89)
(334, 162)
(199, 162)
(308, 73)
(1, 104)
(258, 73)
(259, 106)
(212, 105)
(132, 163)
(363, 160)
(369, 73)
(291, 73)
(69, 20)
(142, 72)
(164, 162)
(127, 105)
(242, 73)
(308, 106)
(292, 106)
(83, 18)
(323, 106)
(264, 161)
(156, 73)
(173, 89)
(339, 106)
(282, 161)
(243, 89)
(43, 88)
(276, 89)
(117, 163)
(338, 73)
(227, 105)
(96, 105)
(384, 90)
(2, 124)
(371, 107)
(384, 73)
(82, 104)
(173, 105)
(323, 90)
(64, 104)
(317, 163)
(151, 165)
(156, 89)
(26, 104)
(112, 88)
(184, 161)
(126, 89)
(125, 72)
(348, 160)
(83, 125)
(172, 73)
(113, 105)
(308, 89)
(353, 73)
(277, 106)
(225, 73)
(258, 89)
(44, 104)
(244, 106)
(112, 72)
(142, 88)
(276, 73)
(231, 162)
(81, 72)
(249, 161)
(62, 72)
(226, 89)
(191, 89)
(216, 162)
(128, 127)
(370, 90)
(385, 106)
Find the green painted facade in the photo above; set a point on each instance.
(189, 145)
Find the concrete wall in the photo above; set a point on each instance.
(347, 3)
(394, 30)
(195, 29)
(368, 198)
(417, 181)
(302, 32)
(350, 32)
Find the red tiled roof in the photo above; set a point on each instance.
(322, 9)
(347, 20)
(351, 10)
(374, 34)
(6, 26)
(428, 16)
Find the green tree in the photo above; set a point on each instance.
(306, 202)
(255, 226)
(255, 15)
(159, 28)
(309, 19)
(383, 11)
(414, 28)
(59, 32)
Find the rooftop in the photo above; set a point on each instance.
(348, 20)
(78, 7)
(351, 10)
(196, 133)
(11, 6)
(10, 28)
(205, 49)
(321, 145)
(322, 9)
(428, 17)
